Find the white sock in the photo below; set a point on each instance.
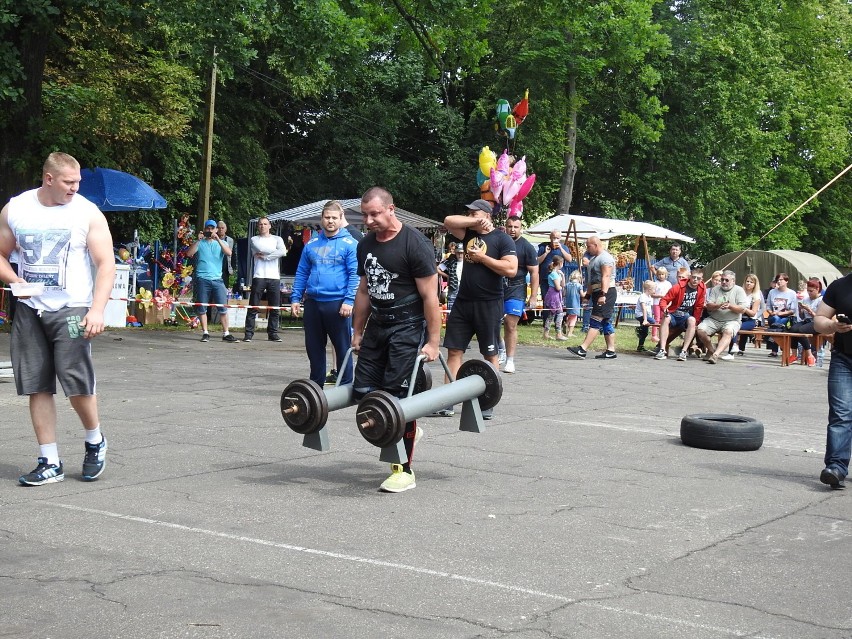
(94, 436)
(226, 333)
(51, 451)
(510, 360)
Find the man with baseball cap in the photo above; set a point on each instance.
(489, 256)
(211, 250)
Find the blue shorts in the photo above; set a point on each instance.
(208, 291)
(514, 307)
(678, 321)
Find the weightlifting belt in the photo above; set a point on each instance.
(408, 308)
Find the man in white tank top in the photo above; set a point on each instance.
(59, 237)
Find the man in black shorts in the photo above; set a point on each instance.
(51, 336)
(489, 256)
(398, 294)
(602, 293)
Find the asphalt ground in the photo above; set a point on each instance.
(577, 513)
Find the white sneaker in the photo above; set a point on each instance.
(509, 367)
(661, 355)
(734, 349)
(727, 357)
(501, 356)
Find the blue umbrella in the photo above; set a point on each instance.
(112, 190)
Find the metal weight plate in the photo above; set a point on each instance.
(493, 383)
(304, 406)
(423, 381)
(380, 419)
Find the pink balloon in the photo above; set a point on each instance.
(519, 170)
(526, 187)
(497, 183)
(503, 162)
(510, 190)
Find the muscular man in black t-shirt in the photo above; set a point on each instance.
(834, 316)
(398, 294)
(489, 256)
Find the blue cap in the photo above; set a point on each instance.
(209, 223)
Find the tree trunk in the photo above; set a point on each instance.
(566, 189)
(17, 135)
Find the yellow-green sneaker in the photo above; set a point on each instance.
(399, 480)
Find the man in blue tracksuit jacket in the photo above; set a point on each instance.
(325, 283)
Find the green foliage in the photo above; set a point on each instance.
(714, 119)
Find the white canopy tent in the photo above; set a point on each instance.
(605, 228)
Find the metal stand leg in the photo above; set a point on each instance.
(471, 417)
(394, 454)
(318, 440)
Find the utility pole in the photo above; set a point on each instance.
(207, 158)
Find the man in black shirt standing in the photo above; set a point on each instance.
(833, 316)
(489, 256)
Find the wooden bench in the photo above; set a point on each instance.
(784, 340)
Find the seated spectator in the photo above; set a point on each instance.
(753, 316)
(783, 307)
(682, 307)
(805, 323)
(725, 305)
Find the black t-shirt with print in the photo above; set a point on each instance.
(690, 296)
(392, 267)
(478, 282)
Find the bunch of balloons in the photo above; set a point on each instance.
(503, 180)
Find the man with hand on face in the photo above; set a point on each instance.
(327, 279)
(52, 330)
(489, 257)
(211, 249)
(546, 253)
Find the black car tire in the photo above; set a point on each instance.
(721, 432)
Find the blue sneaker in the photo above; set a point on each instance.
(95, 460)
(44, 473)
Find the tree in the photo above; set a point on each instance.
(588, 65)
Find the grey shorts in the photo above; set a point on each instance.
(48, 345)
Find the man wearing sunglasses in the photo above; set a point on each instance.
(725, 305)
(682, 308)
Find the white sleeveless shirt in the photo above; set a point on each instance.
(51, 244)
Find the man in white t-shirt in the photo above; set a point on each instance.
(266, 250)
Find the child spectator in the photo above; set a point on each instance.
(661, 287)
(573, 293)
(645, 312)
(553, 298)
